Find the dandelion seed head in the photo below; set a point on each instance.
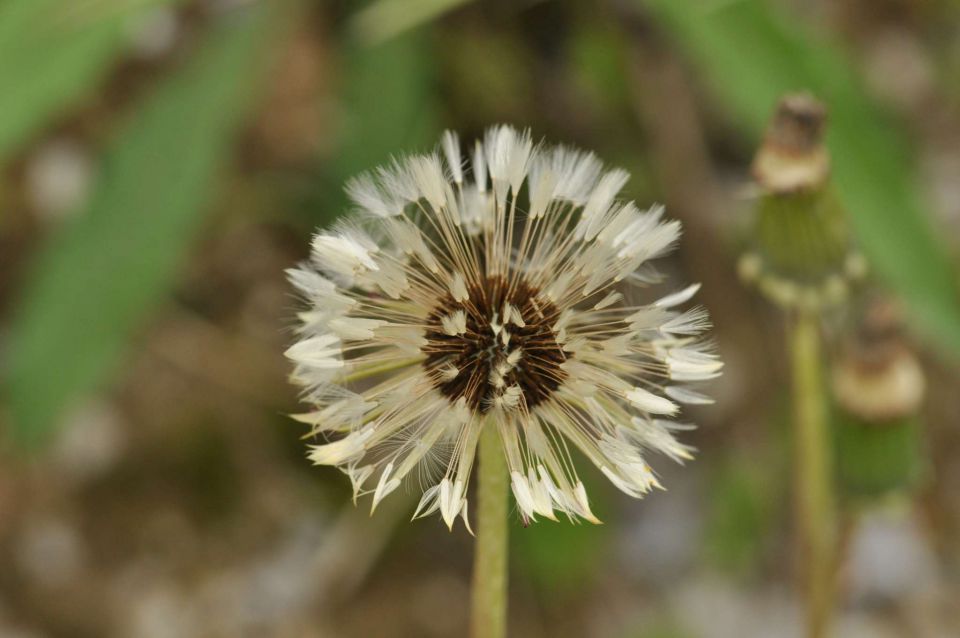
(495, 293)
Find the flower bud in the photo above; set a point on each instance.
(878, 387)
(800, 253)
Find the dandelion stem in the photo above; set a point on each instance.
(816, 514)
(489, 617)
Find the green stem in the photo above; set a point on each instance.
(816, 509)
(489, 617)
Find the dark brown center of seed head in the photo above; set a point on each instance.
(491, 357)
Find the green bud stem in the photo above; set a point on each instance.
(815, 501)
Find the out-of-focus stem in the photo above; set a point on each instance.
(816, 507)
(489, 614)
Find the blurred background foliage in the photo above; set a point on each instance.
(162, 161)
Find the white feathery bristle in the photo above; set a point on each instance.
(449, 372)
(522, 493)
(638, 479)
(480, 167)
(390, 278)
(495, 378)
(602, 198)
(429, 502)
(451, 500)
(342, 255)
(510, 398)
(508, 153)
(451, 151)
(683, 394)
(427, 174)
(358, 476)
(397, 182)
(690, 365)
(322, 351)
(337, 452)
(542, 186)
(519, 160)
(540, 490)
(577, 174)
(691, 322)
(309, 283)
(384, 486)
(366, 194)
(609, 300)
(619, 345)
(355, 327)
(458, 288)
(512, 315)
(650, 402)
(623, 224)
(654, 435)
(583, 503)
(677, 298)
(454, 323)
(652, 244)
(317, 288)
(408, 238)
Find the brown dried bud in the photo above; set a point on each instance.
(878, 378)
(793, 157)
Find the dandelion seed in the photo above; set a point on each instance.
(460, 298)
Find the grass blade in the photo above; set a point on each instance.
(52, 52)
(97, 280)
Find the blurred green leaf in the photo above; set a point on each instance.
(561, 557)
(491, 77)
(662, 626)
(389, 100)
(597, 58)
(51, 53)
(97, 280)
(385, 19)
(742, 511)
(388, 106)
(752, 54)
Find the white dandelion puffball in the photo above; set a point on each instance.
(490, 293)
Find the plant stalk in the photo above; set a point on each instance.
(816, 507)
(489, 614)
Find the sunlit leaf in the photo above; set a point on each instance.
(95, 283)
(751, 54)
